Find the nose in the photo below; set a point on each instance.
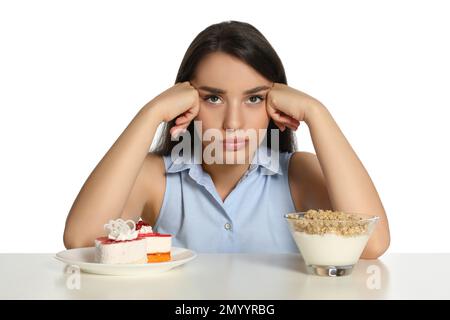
(233, 116)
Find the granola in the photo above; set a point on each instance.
(327, 221)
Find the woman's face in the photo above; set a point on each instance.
(227, 104)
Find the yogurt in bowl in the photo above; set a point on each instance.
(331, 242)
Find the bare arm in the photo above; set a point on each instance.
(335, 177)
(349, 186)
(119, 185)
(105, 192)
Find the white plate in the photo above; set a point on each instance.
(84, 258)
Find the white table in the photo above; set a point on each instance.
(233, 276)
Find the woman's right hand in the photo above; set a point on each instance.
(180, 101)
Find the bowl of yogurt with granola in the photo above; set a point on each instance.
(331, 242)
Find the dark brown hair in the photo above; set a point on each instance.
(245, 42)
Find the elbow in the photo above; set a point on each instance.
(77, 235)
(375, 250)
(378, 244)
(72, 241)
(69, 241)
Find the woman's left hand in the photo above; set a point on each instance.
(288, 106)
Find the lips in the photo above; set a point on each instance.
(233, 144)
(234, 140)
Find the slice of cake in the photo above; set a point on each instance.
(158, 244)
(122, 245)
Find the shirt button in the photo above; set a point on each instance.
(227, 226)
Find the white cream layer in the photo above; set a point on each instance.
(158, 244)
(330, 249)
(121, 252)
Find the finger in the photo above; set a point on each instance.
(279, 117)
(182, 126)
(189, 114)
(293, 125)
(286, 118)
(177, 130)
(290, 122)
(275, 115)
(270, 109)
(293, 128)
(281, 126)
(294, 122)
(185, 117)
(182, 120)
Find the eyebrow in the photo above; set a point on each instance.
(220, 91)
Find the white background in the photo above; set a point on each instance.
(73, 75)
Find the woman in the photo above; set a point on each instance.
(230, 81)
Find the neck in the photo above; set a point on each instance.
(219, 172)
(225, 176)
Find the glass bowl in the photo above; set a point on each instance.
(331, 247)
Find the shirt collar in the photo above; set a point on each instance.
(267, 159)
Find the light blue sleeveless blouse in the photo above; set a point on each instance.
(249, 220)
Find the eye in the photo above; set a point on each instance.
(213, 99)
(261, 98)
(206, 98)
